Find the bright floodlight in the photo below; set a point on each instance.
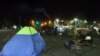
(85, 21)
(14, 26)
(72, 21)
(49, 22)
(57, 20)
(94, 22)
(75, 19)
(33, 22)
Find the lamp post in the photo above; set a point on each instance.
(75, 20)
(33, 22)
(56, 22)
(75, 26)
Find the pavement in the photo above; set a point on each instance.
(55, 46)
(5, 36)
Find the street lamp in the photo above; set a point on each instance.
(14, 26)
(32, 22)
(75, 31)
(57, 20)
(62, 20)
(45, 23)
(85, 21)
(94, 22)
(75, 19)
(49, 22)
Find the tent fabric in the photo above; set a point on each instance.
(27, 30)
(38, 46)
(24, 45)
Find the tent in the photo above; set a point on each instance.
(26, 42)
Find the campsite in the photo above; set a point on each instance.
(54, 45)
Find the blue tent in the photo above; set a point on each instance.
(27, 42)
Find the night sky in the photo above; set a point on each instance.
(14, 9)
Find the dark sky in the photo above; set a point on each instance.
(75, 8)
(50, 8)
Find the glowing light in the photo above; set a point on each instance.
(49, 22)
(45, 23)
(42, 24)
(71, 21)
(94, 22)
(33, 22)
(85, 21)
(37, 22)
(75, 19)
(62, 20)
(57, 20)
(14, 26)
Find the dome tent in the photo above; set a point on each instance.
(26, 42)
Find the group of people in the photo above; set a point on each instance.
(84, 37)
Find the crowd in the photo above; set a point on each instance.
(84, 37)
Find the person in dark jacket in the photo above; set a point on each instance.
(95, 31)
